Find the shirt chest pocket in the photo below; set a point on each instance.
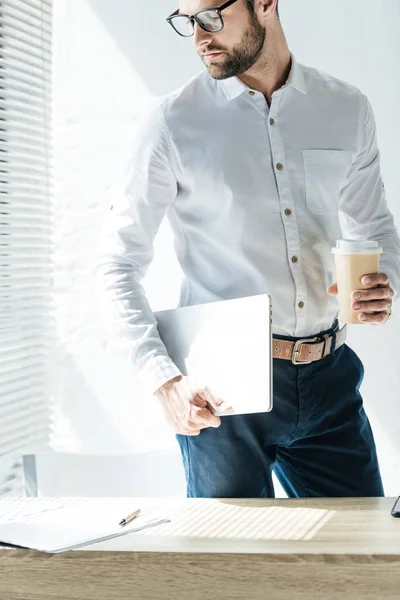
(325, 174)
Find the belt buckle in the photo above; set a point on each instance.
(296, 350)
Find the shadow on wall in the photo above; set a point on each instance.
(164, 60)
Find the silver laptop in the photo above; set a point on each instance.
(227, 346)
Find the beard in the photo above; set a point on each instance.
(242, 57)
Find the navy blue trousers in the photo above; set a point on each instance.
(317, 438)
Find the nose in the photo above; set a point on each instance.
(201, 37)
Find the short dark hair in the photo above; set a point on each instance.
(250, 5)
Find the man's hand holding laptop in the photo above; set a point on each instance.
(188, 407)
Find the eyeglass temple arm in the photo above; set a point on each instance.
(227, 4)
(193, 19)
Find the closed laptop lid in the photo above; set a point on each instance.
(226, 345)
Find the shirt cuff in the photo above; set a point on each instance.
(156, 371)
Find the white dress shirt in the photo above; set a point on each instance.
(256, 197)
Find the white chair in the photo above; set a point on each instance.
(152, 474)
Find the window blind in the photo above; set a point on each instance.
(26, 326)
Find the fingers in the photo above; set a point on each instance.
(188, 408)
(374, 302)
(375, 313)
(217, 403)
(371, 307)
(199, 401)
(379, 293)
(195, 420)
(374, 319)
(199, 418)
(205, 417)
(375, 279)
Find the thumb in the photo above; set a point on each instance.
(332, 290)
(216, 402)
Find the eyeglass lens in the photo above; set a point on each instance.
(209, 19)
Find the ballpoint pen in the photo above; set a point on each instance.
(129, 518)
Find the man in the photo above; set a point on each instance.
(260, 164)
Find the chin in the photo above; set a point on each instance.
(217, 73)
(218, 76)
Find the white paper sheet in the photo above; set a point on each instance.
(58, 525)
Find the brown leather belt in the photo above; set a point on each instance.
(306, 351)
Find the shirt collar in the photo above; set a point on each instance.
(233, 86)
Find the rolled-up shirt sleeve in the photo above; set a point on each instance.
(126, 249)
(363, 210)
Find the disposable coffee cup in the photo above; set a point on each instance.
(353, 260)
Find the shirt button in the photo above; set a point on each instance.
(272, 122)
(288, 212)
(252, 93)
(279, 166)
(301, 304)
(294, 259)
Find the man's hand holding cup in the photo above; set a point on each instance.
(373, 303)
(363, 298)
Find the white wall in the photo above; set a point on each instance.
(110, 57)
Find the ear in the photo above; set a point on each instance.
(266, 8)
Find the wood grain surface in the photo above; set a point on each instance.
(354, 555)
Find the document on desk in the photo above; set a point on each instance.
(59, 524)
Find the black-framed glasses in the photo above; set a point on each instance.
(209, 19)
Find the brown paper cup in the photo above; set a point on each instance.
(353, 260)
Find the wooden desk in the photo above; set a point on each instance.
(349, 549)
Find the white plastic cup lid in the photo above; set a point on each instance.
(357, 247)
